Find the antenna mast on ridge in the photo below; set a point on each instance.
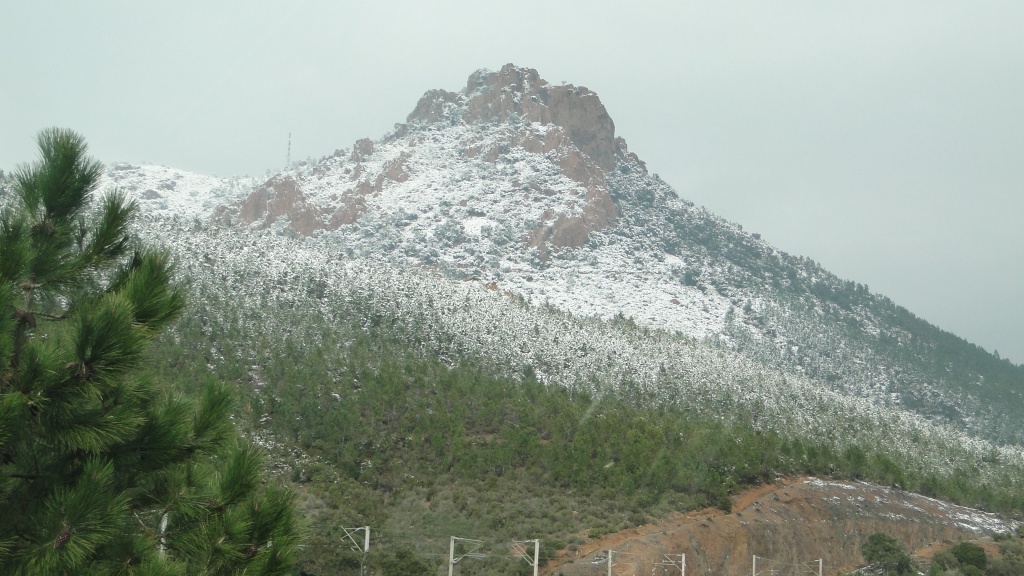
(288, 161)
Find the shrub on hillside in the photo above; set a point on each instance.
(884, 550)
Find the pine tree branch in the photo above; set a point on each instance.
(19, 534)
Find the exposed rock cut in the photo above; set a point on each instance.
(787, 526)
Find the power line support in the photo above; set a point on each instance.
(537, 556)
(804, 567)
(354, 545)
(474, 552)
(451, 557)
(670, 560)
(610, 552)
(519, 549)
(288, 160)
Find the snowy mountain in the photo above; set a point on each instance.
(515, 190)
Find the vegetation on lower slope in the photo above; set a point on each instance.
(887, 557)
(422, 446)
(970, 559)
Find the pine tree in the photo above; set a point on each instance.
(101, 470)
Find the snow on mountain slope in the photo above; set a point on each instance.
(160, 190)
(524, 187)
(248, 282)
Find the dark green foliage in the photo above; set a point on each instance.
(404, 563)
(970, 570)
(101, 470)
(886, 552)
(1012, 560)
(944, 560)
(969, 559)
(969, 553)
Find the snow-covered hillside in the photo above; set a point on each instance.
(523, 187)
(164, 191)
(251, 283)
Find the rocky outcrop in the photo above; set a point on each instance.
(435, 106)
(278, 198)
(596, 210)
(281, 198)
(515, 92)
(583, 141)
(362, 149)
(629, 158)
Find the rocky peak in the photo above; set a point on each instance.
(520, 93)
(558, 141)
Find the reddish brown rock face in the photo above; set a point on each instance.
(277, 198)
(281, 197)
(396, 169)
(598, 209)
(581, 114)
(584, 141)
(351, 206)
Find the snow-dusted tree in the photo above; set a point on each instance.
(101, 470)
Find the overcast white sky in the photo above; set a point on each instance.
(883, 139)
